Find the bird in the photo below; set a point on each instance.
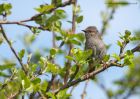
(96, 44)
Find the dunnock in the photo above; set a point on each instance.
(96, 44)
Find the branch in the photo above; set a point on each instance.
(12, 49)
(37, 15)
(22, 24)
(51, 10)
(68, 64)
(90, 75)
(84, 91)
(75, 73)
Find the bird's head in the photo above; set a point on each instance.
(90, 30)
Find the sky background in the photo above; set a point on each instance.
(125, 18)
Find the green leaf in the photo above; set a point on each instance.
(51, 95)
(127, 33)
(44, 8)
(36, 80)
(52, 68)
(5, 8)
(119, 43)
(35, 30)
(128, 61)
(59, 38)
(81, 56)
(73, 41)
(106, 58)
(80, 36)
(6, 66)
(3, 74)
(115, 4)
(44, 85)
(63, 95)
(60, 13)
(56, 2)
(21, 54)
(69, 58)
(53, 51)
(129, 52)
(116, 56)
(25, 83)
(79, 19)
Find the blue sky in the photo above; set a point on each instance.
(124, 18)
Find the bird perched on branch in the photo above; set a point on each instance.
(96, 44)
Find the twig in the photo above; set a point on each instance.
(84, 91)
(75, 73)
(9, 80)
(58, 6)
(50, 83)
(90, 75)
(68, 64)
(73, 87)
(21, 22)
(53, 75)
(12, 49)
(51, 10)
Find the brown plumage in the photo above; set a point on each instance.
(96, 44)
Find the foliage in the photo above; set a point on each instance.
(40, 75)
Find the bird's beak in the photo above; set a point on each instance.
(84, 30)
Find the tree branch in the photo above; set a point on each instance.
(69, 2)
(68, 64)
(75, 73)
(90, 75)
(21, 22)
(12, 49)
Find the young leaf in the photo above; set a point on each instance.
(50, 95)
(119, 43)
(21, 54)
(6, 66)
(116, 56)
(69, 58)
(79, 19)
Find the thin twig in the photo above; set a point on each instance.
(68, 64)
(21, 22)
(12, 49)
(34, 16)
(84, 91)
(69, 2)
(75, 73)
